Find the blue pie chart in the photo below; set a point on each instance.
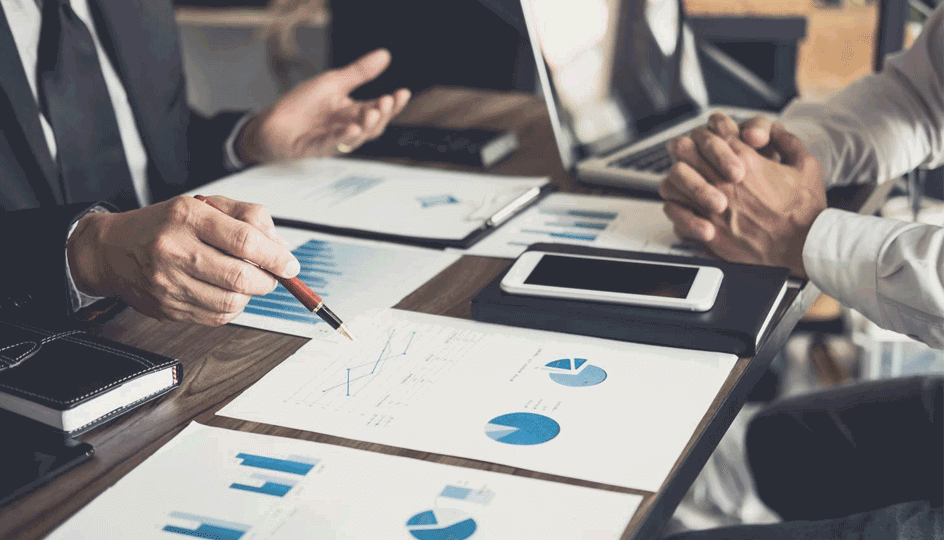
(575, 372)
(441, 524)
(522, 429)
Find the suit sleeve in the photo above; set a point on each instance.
(34, 269)
(206, 139)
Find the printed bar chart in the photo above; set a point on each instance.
(478, 496)
(207, 528)
(317, 260)
(268, 485)
(299, 465)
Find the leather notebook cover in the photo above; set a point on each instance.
(746, 300)
(67, 379)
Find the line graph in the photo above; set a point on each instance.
(376, 364)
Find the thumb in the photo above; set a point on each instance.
(363, 70)
(791, 149)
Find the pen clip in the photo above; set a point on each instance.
(511, 208)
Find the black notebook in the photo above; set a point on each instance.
(74, 381)
(467, 146)
(746, 303)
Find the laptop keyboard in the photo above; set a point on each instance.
(654, 159)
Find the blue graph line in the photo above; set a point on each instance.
(376, 364)
(382, 351)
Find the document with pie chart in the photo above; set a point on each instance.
(219, 484)
(514, 396)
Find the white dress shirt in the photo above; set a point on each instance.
(25, 20)
(877, 129)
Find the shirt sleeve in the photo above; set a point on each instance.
(77, 298)
(885, 124)
(230, 157)
(891, 271)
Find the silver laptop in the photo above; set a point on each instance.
(620, 78)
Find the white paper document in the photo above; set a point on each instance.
(353, 276)
(229, 485)
(599, 410)
(375, 197)
(586, 220)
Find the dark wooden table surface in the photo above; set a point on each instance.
(219, 363)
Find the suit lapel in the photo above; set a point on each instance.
(13, 82)
(140, 38)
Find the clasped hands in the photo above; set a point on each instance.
(747, 193)
(167, 260)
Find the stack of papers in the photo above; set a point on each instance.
(229, 485)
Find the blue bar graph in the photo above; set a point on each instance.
(209, 528)
(270, 485)
(579, 213)
(290, 466)
(318, 264)
(480, 496)
(569, 236)
(598, 226)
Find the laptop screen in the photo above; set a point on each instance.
(612, 70)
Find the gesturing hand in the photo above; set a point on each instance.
(165, 260)
(319, 118)
(766, 215)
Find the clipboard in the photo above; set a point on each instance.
(496, 220)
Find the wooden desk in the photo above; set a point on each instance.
(219, 363)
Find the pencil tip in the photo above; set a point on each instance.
(343, 330)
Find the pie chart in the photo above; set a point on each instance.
(441, 524)
(575, 372)
(522, 429)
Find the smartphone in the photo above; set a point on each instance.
(623, 281)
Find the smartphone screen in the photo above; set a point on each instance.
(613, 276)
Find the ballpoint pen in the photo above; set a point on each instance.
(302, 292)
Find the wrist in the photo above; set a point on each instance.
(84, 254)
(248, 145)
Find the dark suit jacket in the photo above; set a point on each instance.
(183, 148)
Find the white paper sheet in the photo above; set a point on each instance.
(230, 485)
(377, 197)
(599, 410)
(587, 220)
(353, 276)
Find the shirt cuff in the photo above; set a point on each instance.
(841, 257)
(230, 158)
(77, 298)
(813, 136)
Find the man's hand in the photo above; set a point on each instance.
(707, 151)
(318, 118)
(165, 260)
(766, 216)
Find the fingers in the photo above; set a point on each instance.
(685, 185)
(717, 152)
(723, 125)
(371, 121)
(791, 149)
(227, 273)
(363, 70)
(208, 304)
(756, 131)
(253, 214)
(246, 242)
(684, 149)
(687, 224)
